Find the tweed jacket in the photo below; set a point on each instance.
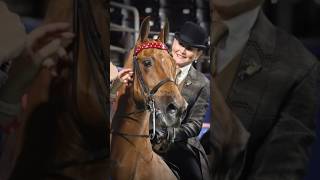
(196, 92)
(274, 98)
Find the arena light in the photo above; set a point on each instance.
(151, 23)
(186, 11)
(148, 10)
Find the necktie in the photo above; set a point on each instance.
(218, 31)
(178, 74)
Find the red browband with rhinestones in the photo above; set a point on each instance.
(147, 45)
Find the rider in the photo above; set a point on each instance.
(186, 152)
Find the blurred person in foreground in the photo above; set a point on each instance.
(264, 86)
(21, 58)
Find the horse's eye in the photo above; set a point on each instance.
(147, 63)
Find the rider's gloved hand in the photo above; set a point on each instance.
(161, 135)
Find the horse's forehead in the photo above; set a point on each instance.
(157, 54)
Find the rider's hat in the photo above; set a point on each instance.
(192, 35)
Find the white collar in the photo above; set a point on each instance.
(184, 72)
(239, 29)
(242, 24)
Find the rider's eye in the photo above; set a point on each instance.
(147, 63)
(189, 48)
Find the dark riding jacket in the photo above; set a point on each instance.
(196, 92)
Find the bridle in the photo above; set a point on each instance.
(148, 95)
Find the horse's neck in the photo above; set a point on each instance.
(130, 155)
(131, 120)
(59, 10)
(129, 117)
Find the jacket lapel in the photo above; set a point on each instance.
(189, 84)
(252, 75)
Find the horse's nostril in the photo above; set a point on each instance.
(172, 109)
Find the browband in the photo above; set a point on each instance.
(147, 45)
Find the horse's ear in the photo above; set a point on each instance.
(144, 29)
(164, 34)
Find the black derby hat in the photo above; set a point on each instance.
(192, 35)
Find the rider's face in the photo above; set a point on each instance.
(184, 55)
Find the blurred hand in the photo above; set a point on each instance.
(46, 44)
(126, 76)
(43, 48)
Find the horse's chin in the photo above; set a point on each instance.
(173, 119)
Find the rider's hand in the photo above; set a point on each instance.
(161, 135)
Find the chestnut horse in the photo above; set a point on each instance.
(153, 88)
(64, 131)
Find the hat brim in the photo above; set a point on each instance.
(187, 41)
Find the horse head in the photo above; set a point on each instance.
(155, 73)
(153, 89)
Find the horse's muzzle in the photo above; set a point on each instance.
(175, 113)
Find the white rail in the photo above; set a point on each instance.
(135, 15)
